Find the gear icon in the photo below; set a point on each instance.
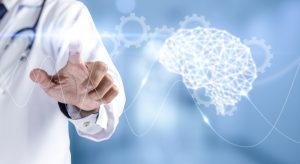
(143, 37)
(267, 52)
(194, 19)
(161, 33)
(157, 39)
(115, 41)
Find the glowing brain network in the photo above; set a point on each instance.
(212, 59)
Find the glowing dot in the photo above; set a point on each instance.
(144, 81)
(206, 120)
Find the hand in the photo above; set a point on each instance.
(86, 85)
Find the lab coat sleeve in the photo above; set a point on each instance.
(74, 23)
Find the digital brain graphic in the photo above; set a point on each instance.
(213, 60)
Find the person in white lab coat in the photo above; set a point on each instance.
(53, 68)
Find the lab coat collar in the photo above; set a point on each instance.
(9, 3)
(32, 3)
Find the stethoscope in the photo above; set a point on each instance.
(31, 33)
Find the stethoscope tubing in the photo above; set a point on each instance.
(5, 83)
(23, 30)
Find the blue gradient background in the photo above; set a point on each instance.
(179, 135)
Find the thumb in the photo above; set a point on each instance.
(74, 53)
(41, 77)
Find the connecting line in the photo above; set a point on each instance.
(281, 112)
(21, 105)
(78, 115)
(6, 83)
(273, 126)
(279, 73)
(157, 115)
(142, 85)
(206, 120)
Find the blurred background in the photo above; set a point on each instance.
(161, 123)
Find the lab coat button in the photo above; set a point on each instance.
(86, 124)
(2, 91)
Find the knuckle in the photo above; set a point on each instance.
(108, 79)
(95, 75)
(101, 66)
(93, 84)
(107, 100)
(115, 90)
(95, 95)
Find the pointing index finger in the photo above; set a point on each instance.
(75, 53)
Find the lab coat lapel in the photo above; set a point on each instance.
(23, 15)
(32, 3)
(15, 19)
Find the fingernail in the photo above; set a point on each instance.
(32, 76)
(74, 47)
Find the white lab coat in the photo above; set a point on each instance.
(33, 130)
